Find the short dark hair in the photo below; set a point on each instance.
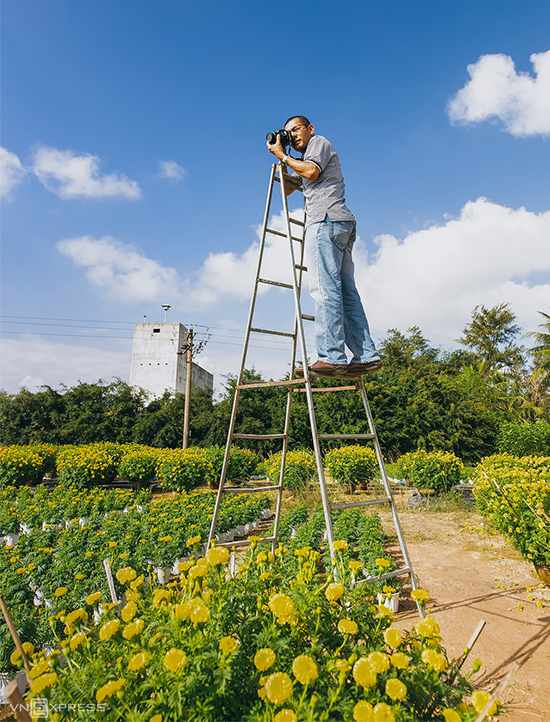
(301, 118)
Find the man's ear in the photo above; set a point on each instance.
(311, 129)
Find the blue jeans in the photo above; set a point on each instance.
(339, 315)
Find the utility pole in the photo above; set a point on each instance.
(189, 361)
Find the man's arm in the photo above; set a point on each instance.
(303, 168)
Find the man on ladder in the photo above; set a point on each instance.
(330, 234)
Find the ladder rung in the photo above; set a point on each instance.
(259, 436)
(389, 575)
(283, 235)
(275, 283)
(333, 388)
(307, 317)
(300, 268)
(346, 436)
(365, 502)
(273, 333)
(296, 221)
(263, 384)
(247, 489)
(244, 542)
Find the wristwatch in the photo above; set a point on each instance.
(285, 159)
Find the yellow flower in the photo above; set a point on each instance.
(285, 715)
(42, 682)
(91, 599)
(282, 607)
(156, 718)
(382, 563)
(420, 595)
(126, 574)
(379, 661)
(194, 540)
(79, 576)
(60, 591)
(159, 596)
(451, 716)
(355, 565)
(334, 591)
(264, 658)
(129, 611)
(399, 660)
(279, 688)
(228, 645)
(112, 545)
(480, 700)
(109, 689)
(138, 661)
(77, 639)
(174, 660)
(28, 648)
(434, 659)
(200, 569)
(383, 713)
(199, 613)
(137, 582)
(428, 627)
(109, 629)
(393, 637)
(41, 668)
(304, 669)
(132, 629)
(347, 626)
(395, 689)
(363, 673)
(340, 546)
(217, 555)
(363, 712)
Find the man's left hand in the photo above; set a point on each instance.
(276, 148)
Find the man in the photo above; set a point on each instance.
(330, 234)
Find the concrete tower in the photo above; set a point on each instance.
(158, 359)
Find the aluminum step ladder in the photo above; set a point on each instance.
(294, 234)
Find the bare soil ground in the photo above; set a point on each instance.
(473, 575)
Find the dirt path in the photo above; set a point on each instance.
(471, 576)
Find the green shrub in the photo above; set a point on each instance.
(139, 466)
(86, 466)
(524, 439)
(242, 462)
(48, 454)
(300, 468)
(19, 465)
(184, 469)
(351, 464)
(437, 470)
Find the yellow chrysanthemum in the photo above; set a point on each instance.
(363, 673)
(77, 639)
(174, 660)
(138, 661)
(91, 599)
(428, 627)
(434, 659)
(363, 712)
(395, 689)
(451, 715)
(200, 569)
(71, 617)
(334, 591)
(382, 563)
(217, 555)
(399, 660)
(340, 545)
(156, 718)
(379, 661)
(480, 700)
(133, 629)
(61, 591)
(347, 626)
(109, 689)
(383, 713)
(109, 629)
(42, 682)
(285, 715)
(420, 595)
(355, 565)
(41, 668)
(264, 658)
(282, 607)
(228, 645)
(160, 596)
(28, 648)
(393, 637)
(126, 574)
(304, 669)
(278, 688)
(129, 611)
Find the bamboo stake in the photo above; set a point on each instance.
(13, 632)
(17, 703)
(473, 639)
(498, 691)
(110, 581)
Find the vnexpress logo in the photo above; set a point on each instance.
(39, 708)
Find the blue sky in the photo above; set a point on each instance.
(135, 169)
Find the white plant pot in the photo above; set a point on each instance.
(239, 530)
(25, 529)
(248, 528)
(163, 575)
(82, 521)
(266, 513)
(392, 603)
(11, 539)
(177, 562)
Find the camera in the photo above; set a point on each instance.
(284, 135)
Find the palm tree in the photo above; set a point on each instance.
(541, 354)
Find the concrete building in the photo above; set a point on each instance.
(158, 360)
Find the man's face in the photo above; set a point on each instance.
(301, 134)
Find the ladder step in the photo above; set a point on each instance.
(263, 384)
(248, 489)
(365, 502)
(273, 333)
(297, 222)
(346, 436)
(275, 283)
(284, 235)
(389, 575)
(244, 542)
(300, 268)
(333, 388)
(307, 317)
(259, 436)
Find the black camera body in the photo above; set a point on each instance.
(283, 134)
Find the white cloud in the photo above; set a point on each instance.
(11, 171)
(121, 270)
(77, 176)
(497, 90)
(32, 361)
(171, 170)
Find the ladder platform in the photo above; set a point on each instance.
(389, 575)
(273, 333)
(275, 283)
(332, 388)
(365, 502)
(259, 436)
(244, 542)
(347, 436)
(248, 489)
(263, 384)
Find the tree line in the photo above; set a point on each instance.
(422, 397)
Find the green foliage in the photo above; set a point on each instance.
(20, 465)
(300, 469)
(541, 354)
(351, 464)
(88, 465)
(242, 462)
(182, 470)
(437, 470)
(139, 465)
(524, 439)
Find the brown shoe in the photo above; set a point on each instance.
(355, 369)
(321, 368)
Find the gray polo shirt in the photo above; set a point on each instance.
(326, 194)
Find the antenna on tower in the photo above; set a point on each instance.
(165, 306)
